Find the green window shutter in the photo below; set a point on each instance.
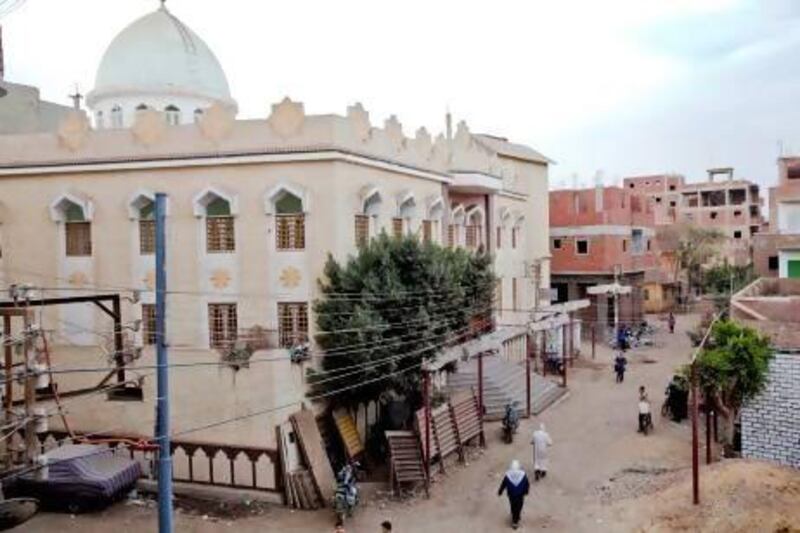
(793, 269)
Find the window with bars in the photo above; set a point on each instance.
(220, 234)
(149, 324)
(362, 230)
(222, 325)
(397, 227)
(427, 231)
(147, 236)
(451, 235)
(514, 235)
(220, 237)
(290, 232)
(292, 323)
(79, 238)
(499, 237)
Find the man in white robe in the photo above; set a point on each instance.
(541, 442)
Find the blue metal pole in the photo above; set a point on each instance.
(162, 400)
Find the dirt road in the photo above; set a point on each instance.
(595, 441)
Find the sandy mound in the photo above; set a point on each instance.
(735, 496)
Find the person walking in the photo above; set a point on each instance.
(671, 322)
(541, 442)
(619, 366)
(645, 419)
(515, 484)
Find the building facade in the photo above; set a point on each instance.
(600, 236)
(777, 251)
(732, 206)
(254, 209)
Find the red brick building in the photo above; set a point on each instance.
(597, 236)
(776, 251)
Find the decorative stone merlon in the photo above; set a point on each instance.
(287, 118)
(73, 131)
(216, 122)
(149, 127)
(359, 121)
(394, 132)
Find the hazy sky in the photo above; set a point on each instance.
(619, 86)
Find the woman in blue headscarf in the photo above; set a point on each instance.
(515, 484)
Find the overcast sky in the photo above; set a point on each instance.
(623, 87)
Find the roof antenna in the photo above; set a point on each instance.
(76, 98)
(448, 120)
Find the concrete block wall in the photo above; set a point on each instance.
(771, 423)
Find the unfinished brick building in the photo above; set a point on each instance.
(598, 236)
(776, 251)
(732, 206)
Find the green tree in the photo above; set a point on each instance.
(394, 304)
(690, 247)
(732, 369)
(726, 279)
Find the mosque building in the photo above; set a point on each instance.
(254, 209)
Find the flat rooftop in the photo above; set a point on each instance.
(772, 306)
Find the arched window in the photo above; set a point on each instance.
(116, 117)
(77, 226)
(431, 229)
(198, 114)
(290, 224)
(475, 225)
(147, 226)
(219, 227)
(457, 219)
(368, 217)
(406, 208)
(98, 120)
(173, 115)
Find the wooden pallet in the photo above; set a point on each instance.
(466, 415)
(348, 432)
(405, 459)
(314, 454)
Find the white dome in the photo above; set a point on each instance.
(158, 56)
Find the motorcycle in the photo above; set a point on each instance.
(345, 498)
(510, 422)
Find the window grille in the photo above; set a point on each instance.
(362, 230)
(292, 323)
(222, 325)
(149, 324)
(147, 237)
(427, 231)
(290, 232)
(220, 234)
(397, 227)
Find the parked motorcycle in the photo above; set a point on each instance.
(346, 497)
(510, 422)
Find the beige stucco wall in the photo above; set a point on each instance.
(315, 159)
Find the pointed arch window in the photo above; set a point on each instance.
(198, 114)
(219, 227)
(98, 120)
(147, 227)
(77, 226)
(474, 228)
(290, 222)
(173, 115)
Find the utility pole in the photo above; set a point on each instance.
(617, 269)
(162, 399)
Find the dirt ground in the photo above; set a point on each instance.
(604, 475)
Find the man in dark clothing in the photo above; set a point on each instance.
(671, 322)
(516, 485)
(619, 366)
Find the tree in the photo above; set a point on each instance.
(726, 279)
(732, 369)
(394, 304)
(690, 247)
